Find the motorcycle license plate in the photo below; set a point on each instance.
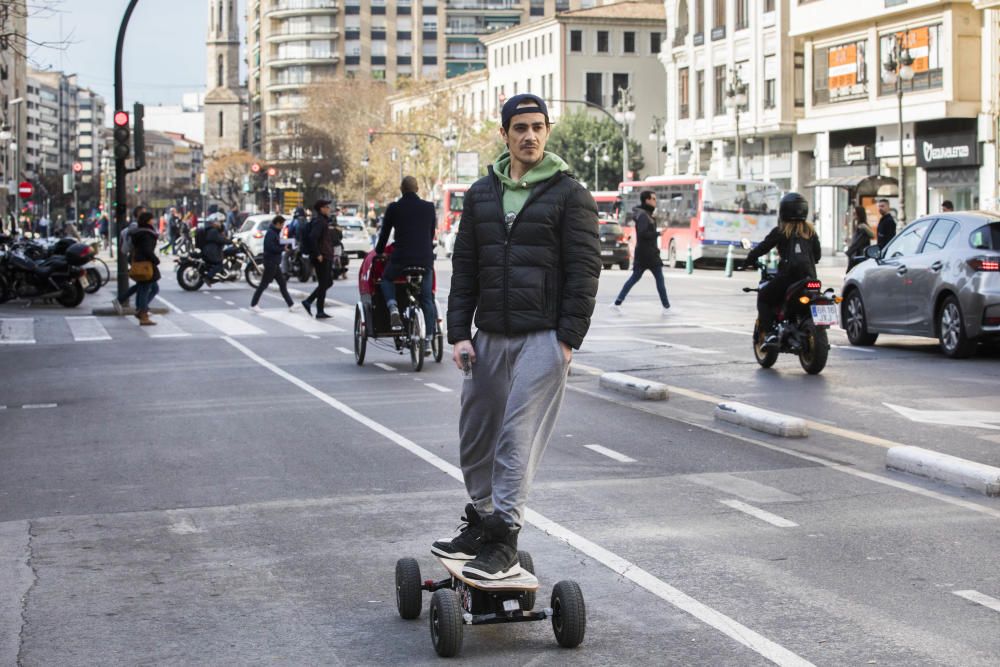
(825, 315)
(84, 281)
(605, 252)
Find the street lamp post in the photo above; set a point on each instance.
(656, 133)
(364, 187)
(896, 71)
(737, 96)
(625, 114)
(593, 147)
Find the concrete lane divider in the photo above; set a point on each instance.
(762, 420)
(646, 390)
(945, 468)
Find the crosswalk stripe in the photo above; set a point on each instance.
(299, 321)
(17, 331)
(165, 328)
(229, 325)
(87, 328)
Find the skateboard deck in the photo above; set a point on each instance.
(525, 581)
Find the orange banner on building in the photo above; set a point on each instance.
(842, 64)
(918, 41)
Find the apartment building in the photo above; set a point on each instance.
(173, 170)
(44, 122)
(13, 91)
(853, 52)
(717, 48)
(90, 141)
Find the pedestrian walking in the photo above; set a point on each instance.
(863, 235)
(272, 265)
(886, 229)
(526, 265)
(647, 251)
(319, 247)
(143, 267)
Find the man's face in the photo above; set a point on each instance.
(883, 208)
(526, 136)
(651, 202)
(325, 210)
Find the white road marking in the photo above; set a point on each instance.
(3, 407)
(17, 331)
(653, 342)
(744, 488)
(610, 453)
(313, 336)
(757, 512)
(738, 632)
(437, 387)
(39, 406)
(230, 303)
(970, 418)
(217, 297)
(169, 305)
(299, 321)
(182, 524)
(229, 325)
(979, 598)
(385, 367)
(344, 350)
(87, 328)
(853, 348)
(164, 328)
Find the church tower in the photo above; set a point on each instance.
(225, 99)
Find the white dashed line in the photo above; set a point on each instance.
(385, 367)
(169, 305)
(772, 519)
(3, 407)
(230, 303)
(437, 387)
(852, 348)
(313, 336)
(343, 350)
(217, 297)
(38, 406)
(979, 598)
(610, 453)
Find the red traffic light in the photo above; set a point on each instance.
(121, 119)
(271, 171)
(255, 167)
(78, 167)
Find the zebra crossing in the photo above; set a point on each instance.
(278, 322)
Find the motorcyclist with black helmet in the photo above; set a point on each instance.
(798, 251)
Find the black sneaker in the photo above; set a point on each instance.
(395, 321)
(308, 306)
(468, 542)
(498, 557)
(322, 316)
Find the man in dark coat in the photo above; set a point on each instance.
(526, 265)
(319, 246)
(886, 225)
(413, 220)
(647, 251)
(272, 265)
(211, 250)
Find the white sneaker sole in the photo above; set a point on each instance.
(460, 555)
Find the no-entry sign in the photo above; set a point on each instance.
(25, 190)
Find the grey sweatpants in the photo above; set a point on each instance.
(509, 407)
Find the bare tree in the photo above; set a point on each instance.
(225, 175)
(14, 16)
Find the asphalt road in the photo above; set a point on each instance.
(231, 488)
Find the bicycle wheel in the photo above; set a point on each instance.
(415, 338)
(102, 270)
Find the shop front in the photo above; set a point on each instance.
(948, 151)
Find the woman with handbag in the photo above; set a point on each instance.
(144, 270)
(863, 235)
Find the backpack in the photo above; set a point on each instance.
(199, 237)
(125, 242)
(800, 260)
(305, 230)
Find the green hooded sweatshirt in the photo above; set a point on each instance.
(516, 193)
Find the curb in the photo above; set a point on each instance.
(945, 468)
(646, 390)
(576, 369)
(762, 420)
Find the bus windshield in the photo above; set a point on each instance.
(739, 196)
(455, 202)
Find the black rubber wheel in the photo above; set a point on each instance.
(437, 346)
(765, 358)
(93, 280)
(446, 623)
(954, 341)
(72, 295)
(528, 564)
(189, 278)
(605, 267)
(415, 340)
(360, 338)
(409, 591)
(569, 614)
(816, 350)
(254, 274)
(855, 321)
(305, 271)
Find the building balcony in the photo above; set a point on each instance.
(278, 62)
(467, 30)
(286, 8)
(292, 35)
(509, 6)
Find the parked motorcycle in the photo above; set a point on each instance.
(237, 262)
(26, 273)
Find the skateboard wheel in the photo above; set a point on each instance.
(528, 598)
(409, 590)
(569, 615)
(446, 623)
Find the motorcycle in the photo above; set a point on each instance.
(26, 272)
(237, 262)
(803, 317)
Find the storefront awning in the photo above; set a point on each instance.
(885, 186)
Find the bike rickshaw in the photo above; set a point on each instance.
(371, 315)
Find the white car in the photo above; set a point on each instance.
(253, 230)
(357, 236)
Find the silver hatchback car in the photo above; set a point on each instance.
(939, 277)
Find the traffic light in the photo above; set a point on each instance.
(371, 135)
(121, 135)
(138, 137)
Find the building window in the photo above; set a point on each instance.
(768, 6)
(800, 80)
(742, 15)
(628, 42)
(221, 124)
(699, 17)
(924, 46)
(619, 82)
(719, 15)
(840, 73)
(720, 90)
(770, 81)
(219, 73)
(682, 92)
(594, 88)
(602, 41)
(655, 39)
(699, 94)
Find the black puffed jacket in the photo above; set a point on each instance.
(542, 274)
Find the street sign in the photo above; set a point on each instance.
(77, 167)
(25, 190)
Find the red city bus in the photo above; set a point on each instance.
(607, 204)
(708, 214)
(450, 206)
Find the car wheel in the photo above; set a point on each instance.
(856, 323)
(955, 342)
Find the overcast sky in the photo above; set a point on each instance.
(164, 54)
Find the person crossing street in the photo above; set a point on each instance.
(272, 266)
(647, 251)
